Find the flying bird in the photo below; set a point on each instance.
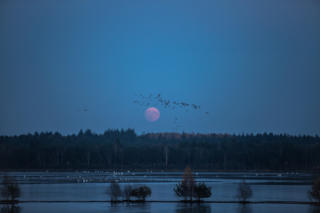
(166, 103)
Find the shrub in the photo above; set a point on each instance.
(127, 192)
(114, 191)
(201, 190)
(315, 191)
(244, 191)
(141, 192)
(181, 190)
(10, 189)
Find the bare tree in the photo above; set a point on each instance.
(166, 155)
(244, 191)
(127, 192)
(315, 191)
(186, 187)
(114, 191)
(10, 189)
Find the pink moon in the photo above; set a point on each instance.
(152, 114)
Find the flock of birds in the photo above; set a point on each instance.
(159, 100)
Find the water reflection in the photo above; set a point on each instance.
(244, 208)
(193, 208)
(130, 207)
(10, 209)
(314, 209)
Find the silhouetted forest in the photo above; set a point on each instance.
(124, 149)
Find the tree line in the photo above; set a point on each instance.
(124, 149)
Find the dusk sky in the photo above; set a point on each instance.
(254, 65)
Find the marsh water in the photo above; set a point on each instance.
(86, 192)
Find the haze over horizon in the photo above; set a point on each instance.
(254, 66)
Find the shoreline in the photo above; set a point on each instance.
(158, 170)
(164, 201)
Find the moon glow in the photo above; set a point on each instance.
(152, 114)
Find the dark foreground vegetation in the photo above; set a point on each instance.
(188, 190)
(315, 191)
(10, 190)
(138, 193)
(123, 149)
